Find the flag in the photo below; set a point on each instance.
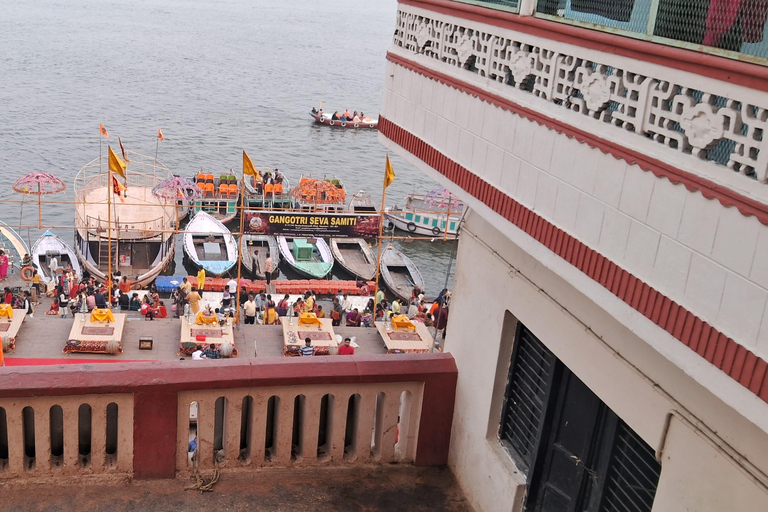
(118, 189)
(160, 134)
(103, 131)
(115, 164)
(248, 167)
(389, 174)
(123, 150)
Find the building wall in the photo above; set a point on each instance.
(669, 410)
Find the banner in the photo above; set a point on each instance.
(306, 224)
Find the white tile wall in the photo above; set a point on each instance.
(438, 95)
(741, 309)
(584, 171)
(666, 208)
(449, 103)
(566, 206)
(543, 145)
(670, 271)
(699, 223)
(642, 245)
(452, 141)
(510, 174)
(441, 133)
(476, 118)
(479, 155)
(589, 220)
(430, 121)
(466, 145)
(419, 118)
(614, 234)
(463, 105)
(491, 122)
(636, 193)
(759, 273)
(507, 131)
(494, 163)
(735, 240)
(526, 184)
(546, 195)
(427, 86)
(609, 179)
(562, 161)
(704, 287)
(523, 139)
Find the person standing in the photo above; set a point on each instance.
(249, 310)
(441, 321)
(307, 349)
(3, 265)
(194, 301)
(53, 265)
(347, 349)
(379, 296)
(232, 287)
(201, 279)
(268, 265)
(186, 286)
(336, 313)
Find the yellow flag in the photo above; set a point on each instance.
(389, 174)
(248, 167)
(115, 164)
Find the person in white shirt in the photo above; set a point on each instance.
(346, 306)
(232, 287)
(53, 265)
(268, 268)
(198, 355)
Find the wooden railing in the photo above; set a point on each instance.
(138, 419)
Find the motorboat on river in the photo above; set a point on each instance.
(271, 192)
(209, 244)
(134, 232)
(326, 119)
(310, 257)
(423, 216)
(220, 196)
(324, 195)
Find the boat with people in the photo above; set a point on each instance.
(355, 256)
(430, 214)
(325, 195)
(399, 273)
(51, 252)
(126, 228)
(254, 250)
(362, 202)
(270, 190)
(343, 120)
(310, 257)
(209, 244)
(220, 195)
(12, 245)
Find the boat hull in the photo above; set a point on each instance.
(209, 244)
(264, 244)
(398, 220)
(399, 273)
(317, 269)
(13, 245)
(345, 124)
(355, 256)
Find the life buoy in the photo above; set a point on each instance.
(343, 125)
(27, 273)
(332, 123)
(411, 227)
(390, 225)
(435, 230)
(357, 125)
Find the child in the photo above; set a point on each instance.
(54, 307)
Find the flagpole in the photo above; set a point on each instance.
(381, 230)
(109, 234)
(240, 248)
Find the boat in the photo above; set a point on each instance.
(209, 244)
(361, 202)
(272, 192)
(51, 246)
(220, 196)
(323, 195)
(355, 256)
(399, 273)
(422, 216)
(133, 235)
(250, 244)
(310, 257)
(325, 118)
(12, 245)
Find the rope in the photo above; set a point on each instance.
(200, 483)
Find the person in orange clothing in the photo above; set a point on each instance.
(2, 356)
(201, 279)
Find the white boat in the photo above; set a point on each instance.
(362, 202)
(134, 234)
(326, 194)
(272, 192)
(400, 273)
(310, 257)
(250, 245)
(420, 217)
(355, 256)
(209, 244)
(12, 245)
(51, 246)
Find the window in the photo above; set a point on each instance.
(576, 453)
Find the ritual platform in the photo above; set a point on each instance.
(97, 332)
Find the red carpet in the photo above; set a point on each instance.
(20, 361)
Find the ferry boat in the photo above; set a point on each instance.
(325, 118)
(139, 225)
(273, 192)
(426, 218)
(220, 196)
(324, 195)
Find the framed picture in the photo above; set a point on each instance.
(145, 343)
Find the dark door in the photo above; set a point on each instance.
(564, 473)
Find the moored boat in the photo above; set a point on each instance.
(326, 119)
(361, 202)
(220, 196)
(326, 194)
(399, 273)
(309, 257)
(355, 256)
(12, 245)
(137, 227)
(50, 246)
(209, 244)
(271, 192)
(424, 216)
(254, 250)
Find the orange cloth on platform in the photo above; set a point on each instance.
(6, 310)
(309, 318)
(102, 315)
(402, 322)
(202, 319)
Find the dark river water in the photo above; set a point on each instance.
(217, 77)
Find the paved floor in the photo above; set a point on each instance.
(366, 488)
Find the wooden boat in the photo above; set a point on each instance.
(400, 273)
(141, 228)
(51, 246)
(421, 218)
(209, 244)
(264, 244)
(12, 245)
(310, 257)
(325, 118)
(355, 256)
(220, 196)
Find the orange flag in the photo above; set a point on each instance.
(103, 131)
(160, 134)
(122, 148)
(118, 189)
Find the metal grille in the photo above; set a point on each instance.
(527, 389)
(633, 474)
(506, 5)
(734, 26)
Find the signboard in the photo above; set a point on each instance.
(309, 224)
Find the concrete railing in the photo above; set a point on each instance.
(137, 419)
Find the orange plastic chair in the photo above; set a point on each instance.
(233, 191)
(224, 190)
(278, 188)
(209, 178)
(208, 189)
(200, 178)
(269, 188)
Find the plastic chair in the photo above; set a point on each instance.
(223, 190)
(232, 179)
(200, 178)
(208, 190)
(233, 190)
(209, 178)
(269, 189)
(224, 179)
(278, 188)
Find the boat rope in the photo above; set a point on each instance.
(200, 483)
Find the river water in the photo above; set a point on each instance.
(217, 77)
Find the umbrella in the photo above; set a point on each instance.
(442, 198)
(39, 183)
(175, 189)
